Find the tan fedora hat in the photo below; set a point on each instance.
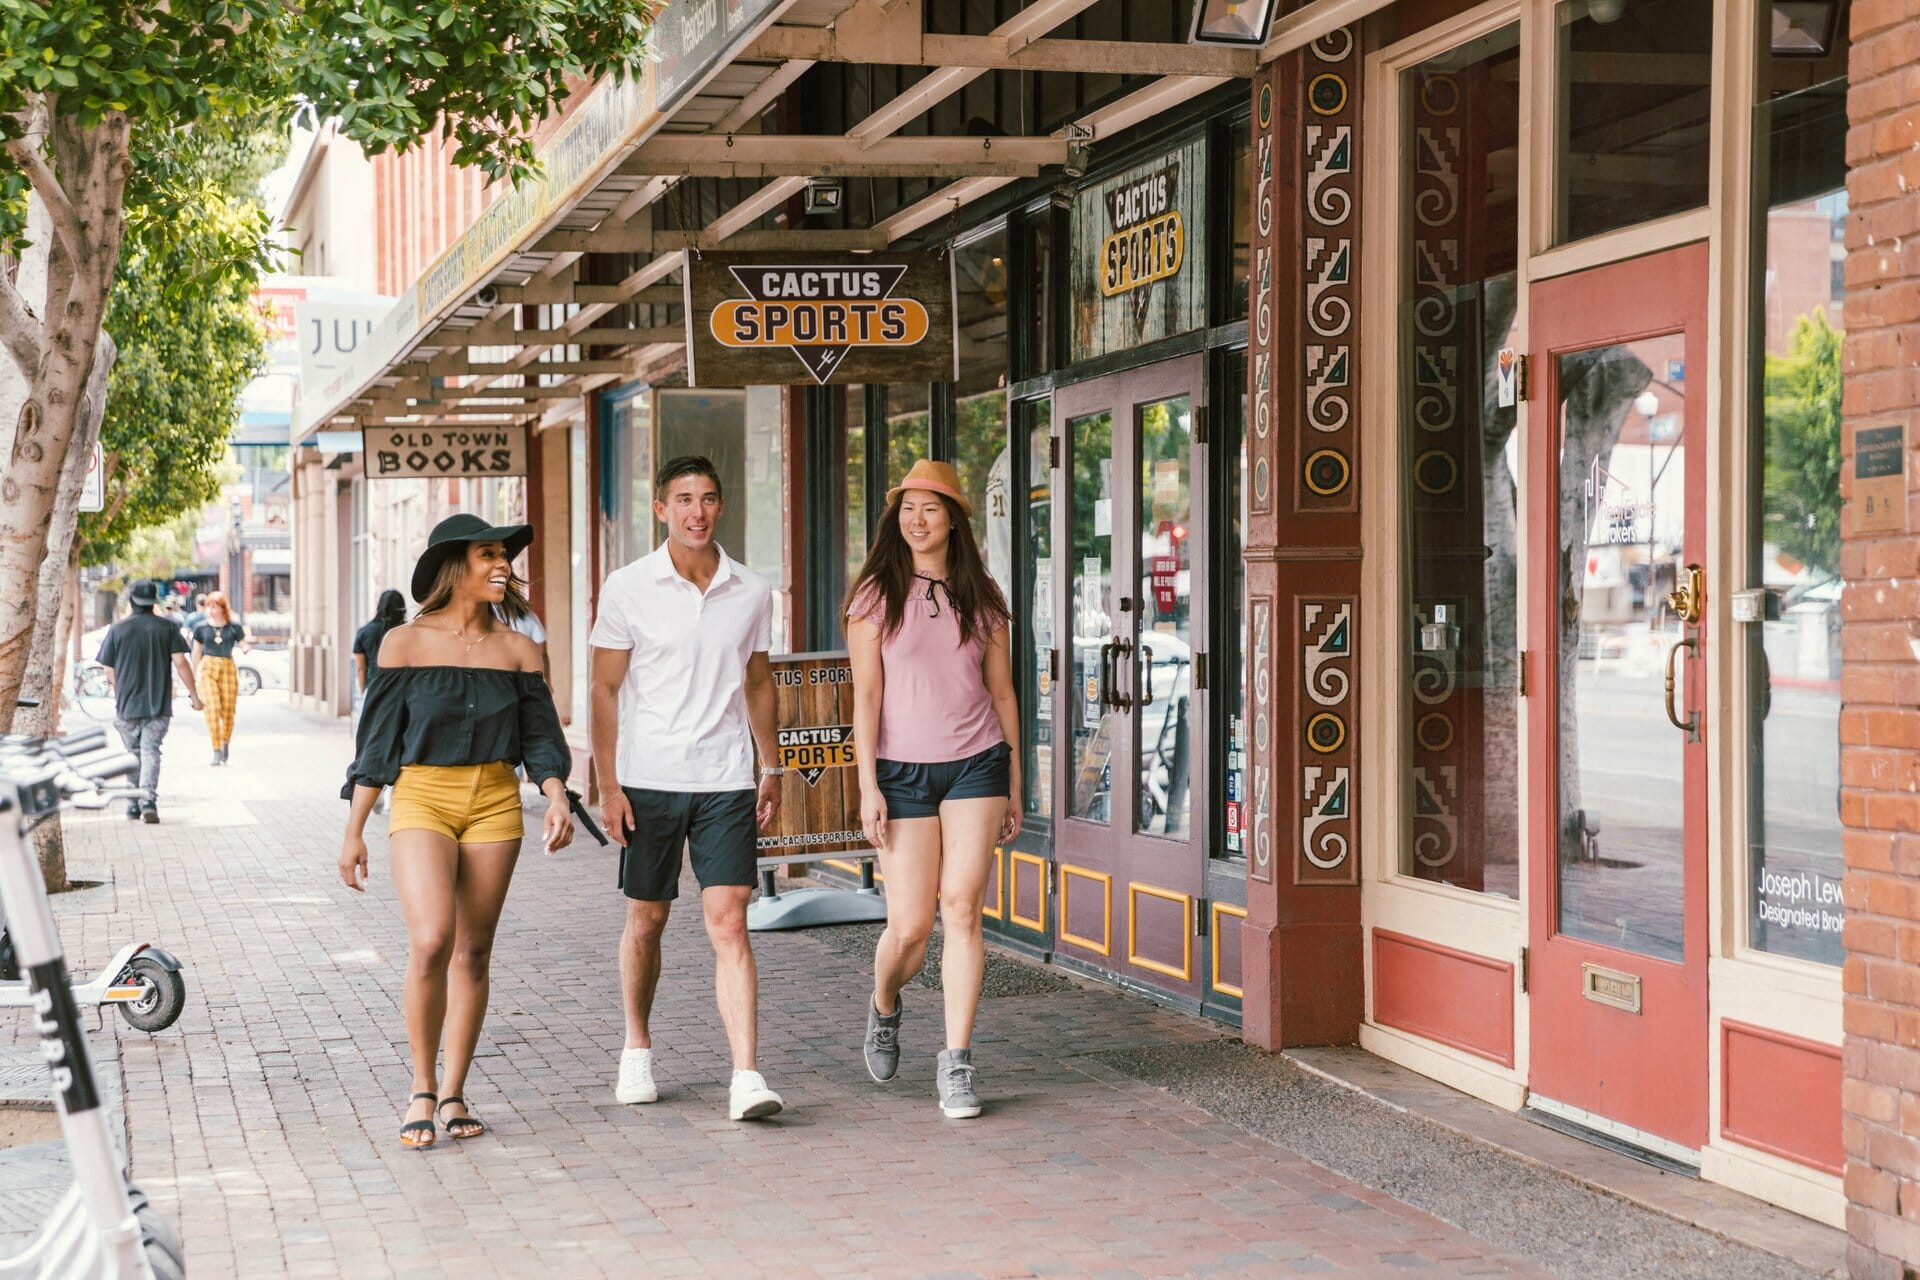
(935, 477)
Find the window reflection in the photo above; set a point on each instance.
(1459, 705)
(981, 454)
(1793, 652)
(1636, 97)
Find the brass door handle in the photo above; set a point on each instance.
(1122, 700)
(1106, 675)
(1691, 725)
(1146, 676)
(1689, 599)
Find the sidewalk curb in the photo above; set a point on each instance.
(1728, 1214)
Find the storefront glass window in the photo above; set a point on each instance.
(1458, 704)
(1635, 95)
(1037, 732)
(908, 432)
(853, 418)
(980, 425)
(741, 431)
(627, 465)
(1040, 306)
(1165, 591)
(1793, 647)
(1240, 217)
(1233, 677)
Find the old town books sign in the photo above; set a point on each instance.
(755, 319)
(1139, 254)
(444, 453)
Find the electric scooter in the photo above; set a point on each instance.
(143, 981)
(103, 1228)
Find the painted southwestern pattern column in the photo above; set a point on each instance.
(1302, 953)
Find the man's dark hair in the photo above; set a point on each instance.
(687, 464)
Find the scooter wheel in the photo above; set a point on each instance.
(157, 1238)
(166, 995)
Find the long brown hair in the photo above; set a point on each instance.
(454, 568)
(969, 588)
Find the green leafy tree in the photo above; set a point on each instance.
(86, 85)
(190, 340)
(1802, 481)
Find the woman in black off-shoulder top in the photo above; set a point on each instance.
(459, 698)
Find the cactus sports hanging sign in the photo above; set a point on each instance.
(755, 319)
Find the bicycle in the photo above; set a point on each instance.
(103, 1228)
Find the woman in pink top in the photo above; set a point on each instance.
(937, 730)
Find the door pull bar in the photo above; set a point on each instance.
(1691, 725)
(1122, 649)
(1106, 675)
(1146, 676)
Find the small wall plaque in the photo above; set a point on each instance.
(1879, 479)
(1610, 987)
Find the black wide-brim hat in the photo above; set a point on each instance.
(451, 536)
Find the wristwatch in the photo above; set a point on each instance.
(773, 771)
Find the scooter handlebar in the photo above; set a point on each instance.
(121, 764)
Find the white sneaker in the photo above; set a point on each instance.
(750, 1099)
(636, 1077)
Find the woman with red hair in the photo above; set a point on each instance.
(214, 675)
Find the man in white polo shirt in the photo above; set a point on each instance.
(682, 695)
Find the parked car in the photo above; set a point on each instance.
(261, 667)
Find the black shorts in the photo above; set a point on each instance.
(916, 790)
(719, 828)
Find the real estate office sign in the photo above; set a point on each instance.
(755, 319)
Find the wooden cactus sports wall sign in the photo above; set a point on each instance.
(758, 319)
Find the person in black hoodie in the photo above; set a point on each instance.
(457, 699)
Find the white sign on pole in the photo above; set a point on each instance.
(93, 490)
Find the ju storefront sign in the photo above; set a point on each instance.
(820, 795)
(1880, 480)
(444, 453)
(1139, 254)
(755, 319)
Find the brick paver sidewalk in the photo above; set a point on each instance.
(266, 1121)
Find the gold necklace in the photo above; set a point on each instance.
(461, 632)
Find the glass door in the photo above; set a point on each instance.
(1619, 985)
(1129, 849)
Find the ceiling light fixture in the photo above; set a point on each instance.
(1236, 22)
(1804, 29)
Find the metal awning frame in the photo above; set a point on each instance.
(473, 358)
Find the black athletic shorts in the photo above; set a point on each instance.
(916, 790)
(719, 828)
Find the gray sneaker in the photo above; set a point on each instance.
(958, 1100)
(882, 1047)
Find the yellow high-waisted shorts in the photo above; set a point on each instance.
(470, 803)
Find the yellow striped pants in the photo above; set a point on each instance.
(219, 686)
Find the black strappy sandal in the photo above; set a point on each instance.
(419, 1126)
(467, 1126)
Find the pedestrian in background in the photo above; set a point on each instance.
(456, 698)
(141, 655)
(936, 725)
(389, 612)
(215, 676)
(682, 697)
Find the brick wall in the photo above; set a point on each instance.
(1880, 722)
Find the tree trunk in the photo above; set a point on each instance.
(1597, 387)
(91, 168)
(45, 660)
